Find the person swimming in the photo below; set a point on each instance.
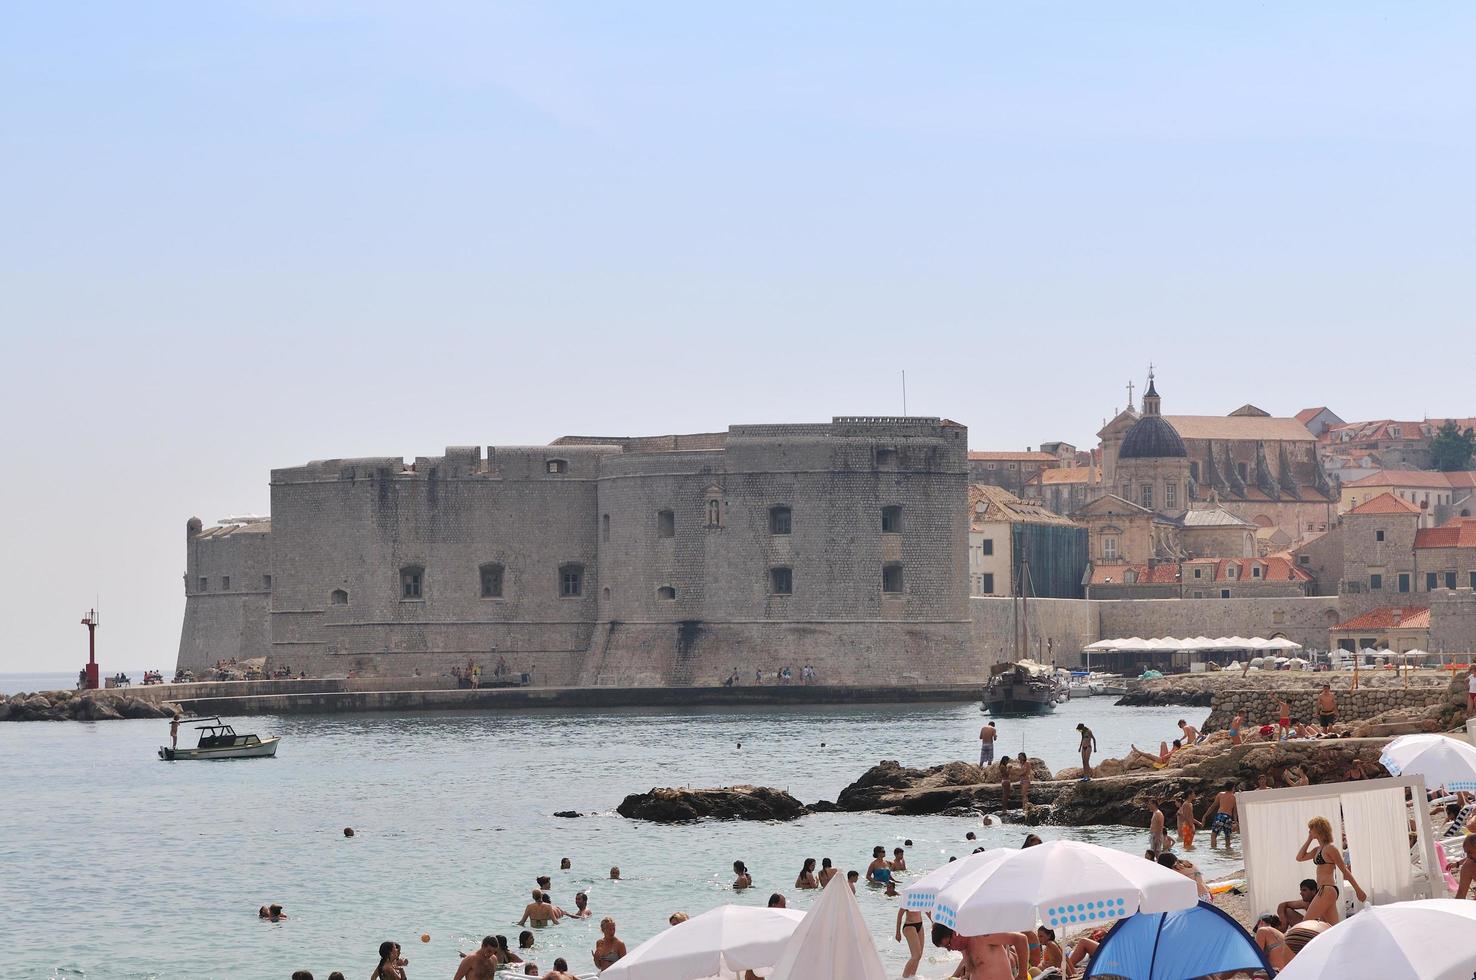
(743, 879)
(827, 872)
(806, 879)
(899, 860)
(877, 872)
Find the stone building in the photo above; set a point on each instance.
(1400, 445)
(663, 560)
(1200, 578)
(1013, 470)
(1262, 469)
(1019, 547)
(1065, 489)
(1319, 419)
(1378, 538)
(1440, 496)
(1445, 556)
(1398, 628)
(1121, 531)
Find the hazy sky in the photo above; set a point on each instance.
(238, 236)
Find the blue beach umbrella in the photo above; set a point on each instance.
(1183, 945)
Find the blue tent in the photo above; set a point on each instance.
(1182, 945)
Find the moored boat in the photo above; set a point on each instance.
(1024, 687)
(220, 741)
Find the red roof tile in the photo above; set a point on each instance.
(1386, 503)
(1308, 414)
(1390, 617)
(1431, 479)
(1458, 533)
(1162, 573)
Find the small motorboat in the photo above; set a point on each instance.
(220, 741)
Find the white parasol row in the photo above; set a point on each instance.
(1175, 645)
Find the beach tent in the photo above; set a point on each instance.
(831, 941)
(1372, 813)
(1181, 945)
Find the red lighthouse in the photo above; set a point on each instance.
(89, 673)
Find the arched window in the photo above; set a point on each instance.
(781, 520)
(412, 582)
(666, 592)
(339, 597)
(491, 580)
(571, 581)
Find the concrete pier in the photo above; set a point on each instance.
(521, 698)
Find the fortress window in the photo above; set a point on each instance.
(714, 513)
(339, 597)
(1430, 582)
(266, 582)
(1450, 580)
(886, 457)
(781, 581)
(892, 520)
(780, 520)
(491, 576)
(665, 524)
(571, 581)
(557, 466)
(412, 582)
(204, 584)
(225, 583)
(666, 592)
(1375, 583)
(892, 578)
(605, 528)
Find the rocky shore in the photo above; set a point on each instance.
(81, 706)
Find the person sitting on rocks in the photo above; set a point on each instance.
(1296, 776)
(1191, 734)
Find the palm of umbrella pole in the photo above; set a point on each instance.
(1063, 884)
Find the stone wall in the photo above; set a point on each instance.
(1259, 705)
(1302, 619)
(1055, 629)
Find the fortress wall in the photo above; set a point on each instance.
(354, 527)
(227, 618)
(1302, 619)
(1056, 629)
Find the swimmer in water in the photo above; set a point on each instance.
(615, 874)
(877, 871)
(480, 965)
(539, 913)
(744, 879)
(899, 860)
(581, 906)
(806, 879)
(827, 872)
(851, 878)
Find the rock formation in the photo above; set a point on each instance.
(668, 805)
(81, 706)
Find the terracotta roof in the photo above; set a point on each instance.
(1422, 479)
(1386, 503)
(1459, 533)
(990, 503)
(1068, 474)
(1249, 427)
(1162, 573)
(1390, 617)
(1308, 414)
(1032, 457)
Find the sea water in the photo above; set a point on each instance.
(119, 865)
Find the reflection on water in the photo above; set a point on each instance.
(137, 868)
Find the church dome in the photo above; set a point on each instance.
(1151, 437)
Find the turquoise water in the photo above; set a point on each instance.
(119, 865)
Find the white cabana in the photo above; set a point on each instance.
(1375, 818)
(723, 942)
(1428, 940)
(1064, 884)
(832, 941)
(1440, 759)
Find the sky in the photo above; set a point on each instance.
(240, 236)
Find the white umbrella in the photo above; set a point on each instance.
(1428, 940)
(1064, 884)
(1443, 761)
(832, 941)
(922, 894)
(728, 939)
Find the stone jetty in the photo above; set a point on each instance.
(81, 706)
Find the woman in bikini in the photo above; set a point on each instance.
(1272, 942)
(827, 872)
(608, 948)
(744, 879)
(390, 965)
(806, 879)
(910, 924)
(1051, 953)
(1318, 848)
(1004, 782)
(1024, 780)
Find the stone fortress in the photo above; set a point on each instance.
(607, 561)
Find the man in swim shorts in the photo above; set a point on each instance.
(1222, 814)
(480, 965)
(986, 744)
(1327, 706)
